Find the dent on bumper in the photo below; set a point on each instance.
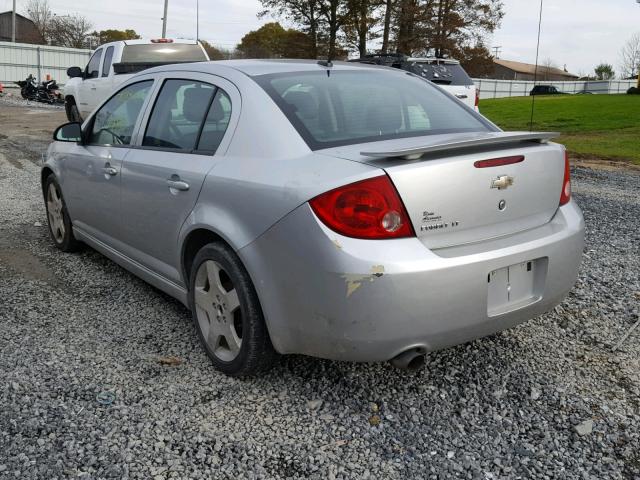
(335, 297)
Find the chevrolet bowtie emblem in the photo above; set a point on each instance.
(502, 182)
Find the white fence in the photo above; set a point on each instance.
(18, 60)
(490, 88)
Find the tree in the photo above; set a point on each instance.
(444, 27)
(61, 30)
(69, 31)
(214, 53)
(304, 13)
(476, 60)
(604, 71)
(360, 22)
(630, 57)
(388, 13)
(333, 13)
(111, 35)
(273, 41)
(39, 12)
(410, 17)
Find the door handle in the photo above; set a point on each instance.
(108, 170)
(178, 184)
(462, 96)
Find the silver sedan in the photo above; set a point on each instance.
(343, 211)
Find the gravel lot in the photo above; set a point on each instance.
(103, 376)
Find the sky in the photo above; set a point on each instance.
(578, 33)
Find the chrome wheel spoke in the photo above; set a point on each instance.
(232, 300)
(203, 298)
(213, 274)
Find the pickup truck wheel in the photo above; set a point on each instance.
(227, 313)
(73, 114)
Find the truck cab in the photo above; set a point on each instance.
(113, 63)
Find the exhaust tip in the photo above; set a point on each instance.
(411, 360)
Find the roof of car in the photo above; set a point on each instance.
(265, 67)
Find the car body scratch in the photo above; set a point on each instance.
(354, 280)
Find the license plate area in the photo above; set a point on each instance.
(515, 286)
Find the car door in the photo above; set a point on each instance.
(162, 177)
(93, 173)
(87, 101)
(104, 85)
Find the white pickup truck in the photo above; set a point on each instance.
(113, 63)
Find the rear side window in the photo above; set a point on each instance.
(114, 123)
(93, 68)
(163, 53)
(440, 72)
(216, 123)
(108, 58)
(178, 115)
(347, 107)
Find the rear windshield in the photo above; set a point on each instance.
(332, 108)
(440, 72)
(163, 52)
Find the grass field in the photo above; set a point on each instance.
(602, 126)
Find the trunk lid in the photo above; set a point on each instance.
(450, 201)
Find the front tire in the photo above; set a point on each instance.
(73, 114)
(227, 313)
(60, 227)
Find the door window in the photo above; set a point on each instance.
(93, 68)
(116, 119)
(178, 114)
(216, 123)
(106, 65)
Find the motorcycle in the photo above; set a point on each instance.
(47, 92)
(28, 88)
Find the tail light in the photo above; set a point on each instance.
(369, 209)
(477, 97)
(565, 196)
(162, 40)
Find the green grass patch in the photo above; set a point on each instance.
(604, 126)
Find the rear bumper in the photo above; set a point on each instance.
(340, 298)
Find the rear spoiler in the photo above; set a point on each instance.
(135, 67)
(502, 138)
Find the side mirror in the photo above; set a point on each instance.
(69, 132)
(74, 72)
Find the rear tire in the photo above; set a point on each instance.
(227, 313)
(60, 227)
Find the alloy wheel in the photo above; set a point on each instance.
(218, 311)
(54, 211)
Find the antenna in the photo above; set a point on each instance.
(535, 72)
(197, 20)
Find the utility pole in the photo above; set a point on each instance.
(13, 22)
(638, 84)
(164, 19)
(496, 51)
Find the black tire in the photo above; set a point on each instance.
(65, 241)
(73, 114)
(256, 353)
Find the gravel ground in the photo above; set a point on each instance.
(103, 376)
